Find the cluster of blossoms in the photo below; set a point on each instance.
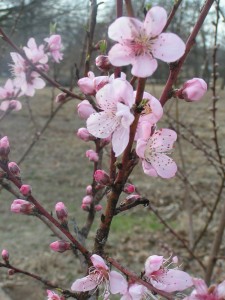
(156, 272)
(139, 44)
(25, 77)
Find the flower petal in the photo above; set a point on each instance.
(98, 262)
(163, 164)
(173, 280)
(120, 139)
(144, 65)
(118, 283)
(168, 47)
(120, 55)
(148, 169)
(155, 21)
(85, 284)
(140, 148)
(102, 124)
(127, 118)
(152, 264)
(124, 28)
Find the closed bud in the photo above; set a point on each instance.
(60, 98)
(98, 207)
(4, 147)
(14, 168)
(84, 135)
(86, 84)
(20, 206)
(103, 63)
(192, 90)
(87, 200)
(61, 212)
(92, 155)
(85, 109)
(129, 188)
(60, 246)
(25, 190)
(5, 255)
(101, 177)
(11, 272)
(89, 190)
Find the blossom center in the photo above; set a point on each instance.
(140, 45)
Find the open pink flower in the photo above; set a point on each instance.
(162, 278)
(55, 46)
(34, 53)
(10, 105)
(136, 291)
(100, 274)
(153, 152)
(9, 92)
(202, 292)
(115, 100)
(140, 43)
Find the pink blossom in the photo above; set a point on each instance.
(60, 98)
(20, 206)
(193, 89)
(25, 190)
(60, 246)
(85, 207)
(4, 147)
(162, 278)
(89, 190)
(202, 292)
(99, 274)
(115, 100)
(25, 79)
(150, 115)
(53, 296)
(153, 152)
(92, 155)
(14, 168)
(85, 109)
(55, 46)
(61, 212)
(140, 43)
(91, 84)
(101, 177)
(8, 105)
(9, 91)
(5, 255)
(34, 53)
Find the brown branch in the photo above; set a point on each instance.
(141, 201)
(172, 14)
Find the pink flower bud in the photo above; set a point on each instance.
(86, 84)
(101, 177)
(11, 272)
(98, 207)
(92, 155)
(89, 190)
(85, 109)
(60, 246)
(87, 200)
(85, 207)
(193, 90)
(103, 63)
(61, 212)
(20, 206)
(4, 147)
(25, 190)
(14, 168)
(84, 135)
(60, 98)
(5, 255)
(132, 198)
(129, 188)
